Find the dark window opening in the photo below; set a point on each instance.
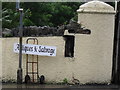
(69, 46)
(81, 31)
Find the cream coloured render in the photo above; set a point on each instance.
(90, 64)
(92, 61)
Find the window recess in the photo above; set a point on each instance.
(69, 45)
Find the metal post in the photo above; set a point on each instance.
(116, 54)
(118, 49)
(17, 5)
(19, 72)
(114, 71)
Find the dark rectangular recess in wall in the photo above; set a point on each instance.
(69, 45)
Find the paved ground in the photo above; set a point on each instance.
(57, 87)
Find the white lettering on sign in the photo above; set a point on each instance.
(36, 49)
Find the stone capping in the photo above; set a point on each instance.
(96, 7)
(95, 11)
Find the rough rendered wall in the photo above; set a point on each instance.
(94, 59)
(9, 59)
(99, 48)
(90, 64)
(0, 58)
(93, 53)
(48, 66)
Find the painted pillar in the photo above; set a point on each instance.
(99, 18)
